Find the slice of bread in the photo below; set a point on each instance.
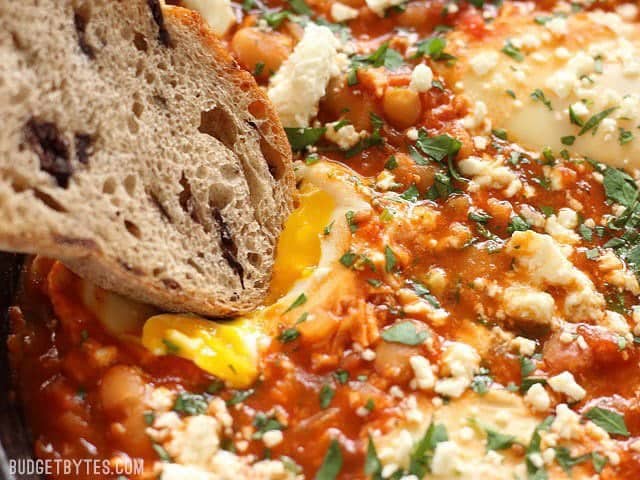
(135, 150)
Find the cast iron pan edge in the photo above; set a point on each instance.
(15, 439)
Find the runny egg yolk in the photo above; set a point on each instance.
(227, 350)
(230, 350)
(299, 247)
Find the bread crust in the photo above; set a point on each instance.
(225, 275)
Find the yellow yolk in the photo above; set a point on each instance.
(298, 250)
(227, 350)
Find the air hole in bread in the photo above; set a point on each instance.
(155, 200)
(273, 158)
(219, 124)
(196, 266)
(21, 95)
(228, 245)
(52, 149)
(109, 186)
(220, 196)
(171, 284)
(81, 17)
(140, 42)
(257, 109)
(254, 259)
(157, 271)
(132, 125)
(139, 67)
(187, 203)
(49, 201)
(149, 77)
(137, 108)
(17, 41)
(129, 184)
(156, 14)
(133, 229)
(83, 143)
(160, 101)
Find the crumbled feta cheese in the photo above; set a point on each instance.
(423, 373)
(559, 232)
(524, 346)
(301, 81)
(483, 62)
(480, 142)
(580, 109)
(567, 422)
(445, 458)
(421, 78)
(272, 438)
(557, 26)
(543, 260)
(616, 323)
(196, 442)
(368, 355)
(345, 137)
(460, 361)
(412, 134)
(342, 13)
(477, 116)
(565, 383)
(528, 304)
(489, 172)
(218, 13)
(381, 6)
(538, 398)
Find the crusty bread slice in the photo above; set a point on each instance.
(134, 149)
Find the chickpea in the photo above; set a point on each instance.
(353, 105)
(415, 15)
(253, 46)
(401, 106)
(122, 395)
(392, 361)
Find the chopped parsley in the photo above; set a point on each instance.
(422, 454)
(289, 335)
(625, 136)
(512, 51)
(566, 461)
(593, 122)
(265, 423)
(326, 395)
(190, 403)
(161, 452)
(518, 224)
(332, 463)
(479, 216)
(391, 163)
(539, 96)
(405, 333)
(389, 259)
(411, 194)
(170, 346)
(301, 300)
(372, 464)
(301, 138)
(433, 47)
(610, 421)
(240, 396)
(350, 217)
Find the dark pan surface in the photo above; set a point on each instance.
(15, 441)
